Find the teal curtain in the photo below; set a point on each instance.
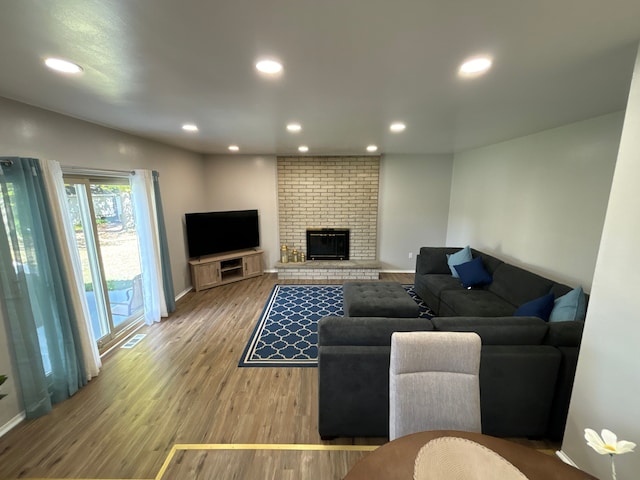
(167, 278)
(35, 291)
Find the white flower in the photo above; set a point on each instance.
(608, 444)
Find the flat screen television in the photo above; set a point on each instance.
(217, 232)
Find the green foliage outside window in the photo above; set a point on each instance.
(111, 285)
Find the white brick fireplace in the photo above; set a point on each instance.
(330, 192)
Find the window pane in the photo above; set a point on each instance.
(82, 224)
(118, 241)
(102, 214)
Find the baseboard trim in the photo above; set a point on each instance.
(565, 458)
(12, 423)
(183, 293)
(381, 271)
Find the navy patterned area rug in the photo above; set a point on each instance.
(287, 332)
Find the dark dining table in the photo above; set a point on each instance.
(395, 460)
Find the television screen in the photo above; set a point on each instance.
(217, 232)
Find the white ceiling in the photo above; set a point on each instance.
(351, 67)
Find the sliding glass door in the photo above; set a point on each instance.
(102, 214)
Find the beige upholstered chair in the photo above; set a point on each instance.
(433, 382)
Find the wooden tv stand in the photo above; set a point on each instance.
(215, 270)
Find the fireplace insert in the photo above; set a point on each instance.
(327, 244)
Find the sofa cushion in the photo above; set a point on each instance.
(518, 286)
(559, 290)
(458, 258)
(564, 334)
(490, 263)
(497, 330)
(439, 283)
(540, 307)
(479, 303)
(571, 306)
(433, 260)
(473, 273)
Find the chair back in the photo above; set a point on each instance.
(434, 382)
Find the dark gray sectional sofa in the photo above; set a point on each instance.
(527, 365)
(511, 286)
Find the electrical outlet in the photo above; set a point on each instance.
(410, 255)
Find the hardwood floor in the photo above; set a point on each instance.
(179, 385)
(260, 462)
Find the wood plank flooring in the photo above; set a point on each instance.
(295, 462)
(180, 385)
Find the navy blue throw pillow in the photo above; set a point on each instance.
(473, 273)
(540, 307)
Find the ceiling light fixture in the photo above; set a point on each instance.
(270, 67)
(190, 127)
(475, 66)
(303, 148)
(234, 148)
(397, 127)
(63, 66)
(294, 127)
(372, 148)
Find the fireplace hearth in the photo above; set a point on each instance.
(327, 244)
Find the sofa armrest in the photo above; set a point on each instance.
(564, 334)
(497, 330)
(366, 331)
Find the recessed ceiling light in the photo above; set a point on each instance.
(475, 66)
(190, 127)
(294, 127)
(303, 148)
(270, 67)
(397, 127)
(372, 148)
(63, 66)
(234, 148)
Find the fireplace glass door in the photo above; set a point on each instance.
(327, 244)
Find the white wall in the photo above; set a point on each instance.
(538, 201)
(243, 182)
(413, 202)
(31, 132)
(606, 393)
(413, 207)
